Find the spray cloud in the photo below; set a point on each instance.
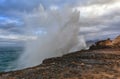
(56, 33)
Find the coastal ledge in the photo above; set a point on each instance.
(96, 63)
(108, 43)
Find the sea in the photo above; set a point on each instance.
(9, 56)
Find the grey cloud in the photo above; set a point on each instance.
(10, 26)
(16, 8)
(95, 2)
(107, 25)
(108, 22)
(100, 1)
(19, 5)
(28, 5)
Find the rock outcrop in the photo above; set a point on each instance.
(85, 64)
(115, 43)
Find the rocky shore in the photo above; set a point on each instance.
(95, 63)
(108, 43)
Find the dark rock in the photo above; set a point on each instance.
(101, 63)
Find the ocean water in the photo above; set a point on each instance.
(8, 57)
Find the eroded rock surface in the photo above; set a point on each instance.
(89, 64)
(115, 43)
(85, 64)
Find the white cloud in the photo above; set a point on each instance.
(53, 7)
(100, 18)
(97, 10)
(17, 37)
(96, 15)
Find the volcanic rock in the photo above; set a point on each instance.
(97, 63)
(115, 43)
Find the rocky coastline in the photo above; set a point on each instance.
(101, 61)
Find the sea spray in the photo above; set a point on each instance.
(56, 33)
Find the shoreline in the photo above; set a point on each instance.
(101, 61)
(74, 66)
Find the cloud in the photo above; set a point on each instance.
(19, 5)
(10, 26)
(25, 5)
(95, 2)
(98, 17)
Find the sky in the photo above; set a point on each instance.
(99, 19)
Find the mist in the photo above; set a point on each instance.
(55, 32)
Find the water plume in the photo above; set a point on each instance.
(56, 32)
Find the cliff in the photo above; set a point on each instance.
(85, 64)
